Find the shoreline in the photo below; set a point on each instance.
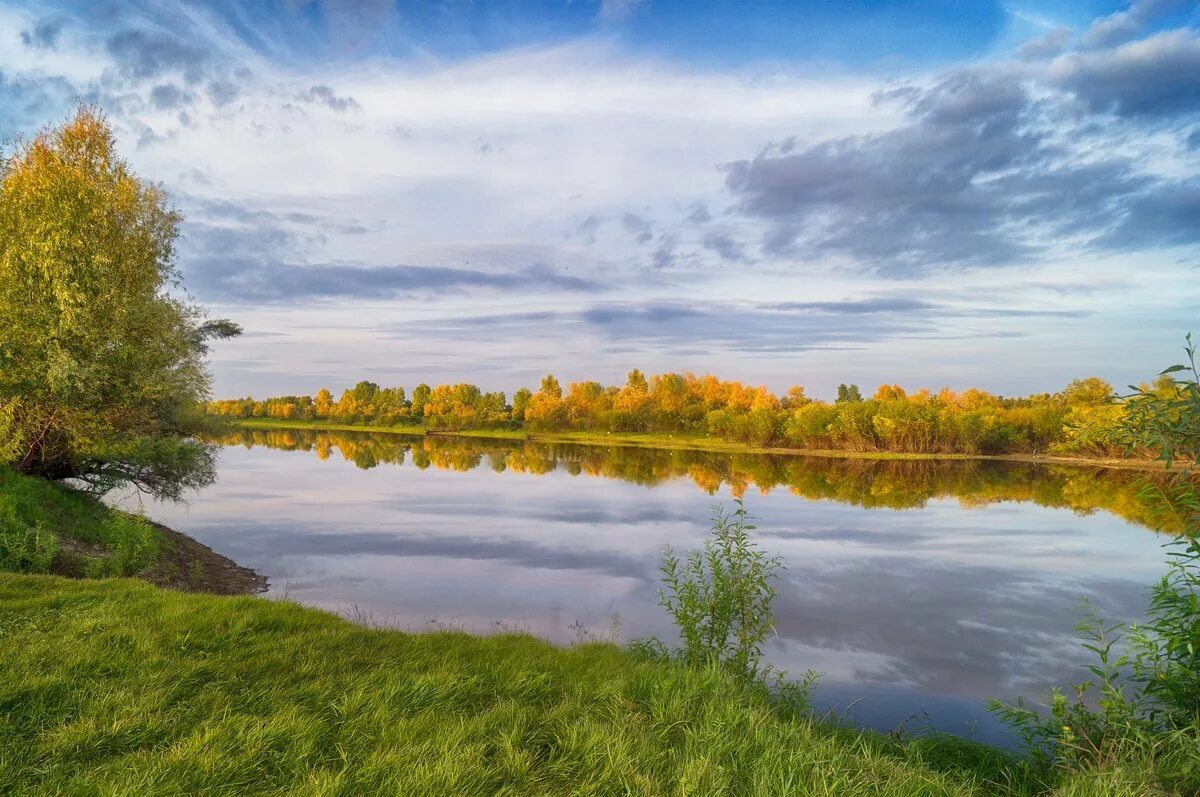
(188, 565)
(183, 564)
(690, 443)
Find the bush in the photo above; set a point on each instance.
(36, 516)
(133, 545)
(1141, 708)
(720, 597)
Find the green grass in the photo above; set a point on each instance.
(687, 442)
(47, 526)
(118, 687)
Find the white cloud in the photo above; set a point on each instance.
(492, 165)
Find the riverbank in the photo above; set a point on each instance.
(47, 527)
(691, 443)
(117, 686)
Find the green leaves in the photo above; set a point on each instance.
(720, 597)
(96, 352)
(1144, 695)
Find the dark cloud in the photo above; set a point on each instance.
(168, 96)
(638, 227)
(763, 328)
(1154, 77)
(664, 254)
(1167, 216)
(142, 54)
(726, 246)
(324, 95)
(263, 220)
(699, 214)
(875, 304)
(240, 279)
(45, 33)
(906, 198)
(976, 176)
(27, 102)
(238, 254)
(223, 92)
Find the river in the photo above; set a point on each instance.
(917, 589)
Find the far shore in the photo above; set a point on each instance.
(691, 443)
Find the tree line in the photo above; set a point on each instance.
(1084, 418)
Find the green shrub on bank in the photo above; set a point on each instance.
(133, 545)
(1139, 711)
(26, 547)
(719, 599)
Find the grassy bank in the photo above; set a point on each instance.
(47, 527)
(118, 687)
(684, 443)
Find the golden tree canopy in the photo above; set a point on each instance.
(101, 364)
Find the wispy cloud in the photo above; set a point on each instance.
(327, 157)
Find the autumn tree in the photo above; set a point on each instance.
(323, 404)
(101, 358)
(545, 407)
(1091, 391)
(795, 398)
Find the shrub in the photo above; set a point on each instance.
(720, 597)
(1142, 704)
(132, 542)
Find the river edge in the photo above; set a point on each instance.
(702, 444)
(184, 564)
(189, 565)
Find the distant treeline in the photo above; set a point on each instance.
(1083, 418)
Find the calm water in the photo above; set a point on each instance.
(913, 587)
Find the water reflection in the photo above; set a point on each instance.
(892, 484)
(969, 593)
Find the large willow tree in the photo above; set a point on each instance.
(101, 359)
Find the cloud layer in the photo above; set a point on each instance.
(684, 207)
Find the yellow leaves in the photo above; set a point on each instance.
(10, 433)
(890, 393)
(86, 326)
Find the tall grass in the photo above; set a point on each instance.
(115, 687)
(48, 527)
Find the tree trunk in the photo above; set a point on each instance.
(36, 463)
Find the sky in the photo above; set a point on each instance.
(995, 194)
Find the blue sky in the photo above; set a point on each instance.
(932, 193)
